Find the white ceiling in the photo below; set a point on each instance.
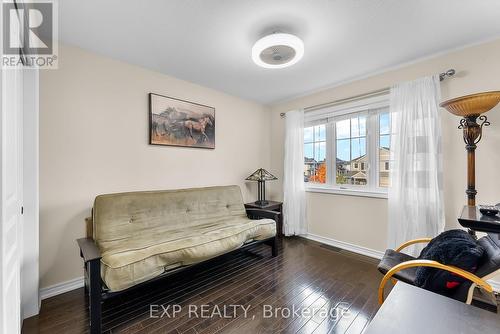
(209, 41)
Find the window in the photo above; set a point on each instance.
(315, 154)
(347, 148)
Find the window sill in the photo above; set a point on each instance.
(347, 192)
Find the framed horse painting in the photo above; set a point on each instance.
(176, 122)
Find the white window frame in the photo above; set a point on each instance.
(329, 116)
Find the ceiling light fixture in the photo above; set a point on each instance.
(278, 50)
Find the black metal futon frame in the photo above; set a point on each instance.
(97, 291)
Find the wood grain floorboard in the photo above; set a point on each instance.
(251, 283)
(256, 298)
(251, 277)
(305, 275)
(287, 290)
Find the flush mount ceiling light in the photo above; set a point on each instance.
(278, 50)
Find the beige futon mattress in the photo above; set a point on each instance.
(150, 252)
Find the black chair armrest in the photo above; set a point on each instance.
(261, 213)
(88, 249)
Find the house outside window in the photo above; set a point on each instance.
(347, 148)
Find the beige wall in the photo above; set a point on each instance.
(93, 140)
(363, 221)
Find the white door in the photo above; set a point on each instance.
(10, 199)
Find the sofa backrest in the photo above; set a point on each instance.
(123, 215)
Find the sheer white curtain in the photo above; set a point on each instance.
(294, 205)
(416, 206)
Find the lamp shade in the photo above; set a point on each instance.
(278, 50)
(261, 175)
(474, 104)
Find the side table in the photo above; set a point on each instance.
(272, 206)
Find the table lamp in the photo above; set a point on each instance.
(470, 107)
(261, 176)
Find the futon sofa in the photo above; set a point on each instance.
(136, 237)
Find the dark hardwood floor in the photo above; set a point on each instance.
(333, 290)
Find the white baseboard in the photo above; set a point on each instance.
(62, 287)
(345, 245)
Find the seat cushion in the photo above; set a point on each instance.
(392, 258)
(138, 257)
(490, 261)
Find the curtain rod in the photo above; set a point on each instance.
(448, 74)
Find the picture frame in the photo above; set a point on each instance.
(176, 122)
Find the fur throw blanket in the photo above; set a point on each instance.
(454, 247)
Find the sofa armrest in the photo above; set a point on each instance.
(92, 257)
(88, 249)
(261, 213)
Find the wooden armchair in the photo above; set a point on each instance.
(398, 266)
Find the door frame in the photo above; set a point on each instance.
(29, 221)
(30, 294)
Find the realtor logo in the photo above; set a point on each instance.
(29, 34)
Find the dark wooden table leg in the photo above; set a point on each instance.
(94, 272)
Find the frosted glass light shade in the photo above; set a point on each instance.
(278, 40)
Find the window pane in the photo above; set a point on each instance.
(358, 174)
(344, 150)
(309, 163)
(385, 124)
(384, 167)
(319, 175)
(362, 126)
(351, 151)
(308, 134)
(315, 154)
(384, 149)
(343, 129)
(342, 160)
(385, 141)
(358, 126)
(319, 151)
(358, 147)
(309, 151)
(342, 173)
(320, 133)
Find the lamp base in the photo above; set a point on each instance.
(471, 107)
(261, 203)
